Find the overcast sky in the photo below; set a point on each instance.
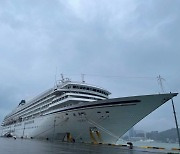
(136, 40)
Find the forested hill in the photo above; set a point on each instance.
(169, 135)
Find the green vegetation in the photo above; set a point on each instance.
(169, 136)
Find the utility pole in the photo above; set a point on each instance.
(160, 79)
(175, 118)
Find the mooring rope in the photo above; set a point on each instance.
(52, 127)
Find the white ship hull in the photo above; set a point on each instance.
(103, 122)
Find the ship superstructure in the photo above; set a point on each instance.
(77, 111)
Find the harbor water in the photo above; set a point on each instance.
(32, 146)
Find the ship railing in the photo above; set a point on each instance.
(79, 91)
(40, 96)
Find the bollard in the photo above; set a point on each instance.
(130, 145)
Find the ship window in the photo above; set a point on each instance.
(87, 88)
(98, 112)
(74, 114)
(107, 111)
(66, 113)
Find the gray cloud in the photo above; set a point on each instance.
(124, 38)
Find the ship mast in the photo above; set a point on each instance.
(82, 77)
(62, 78)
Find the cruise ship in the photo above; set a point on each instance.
(79, 112)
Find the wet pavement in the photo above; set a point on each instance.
(32, 146)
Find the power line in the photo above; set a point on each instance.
(115, 76)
